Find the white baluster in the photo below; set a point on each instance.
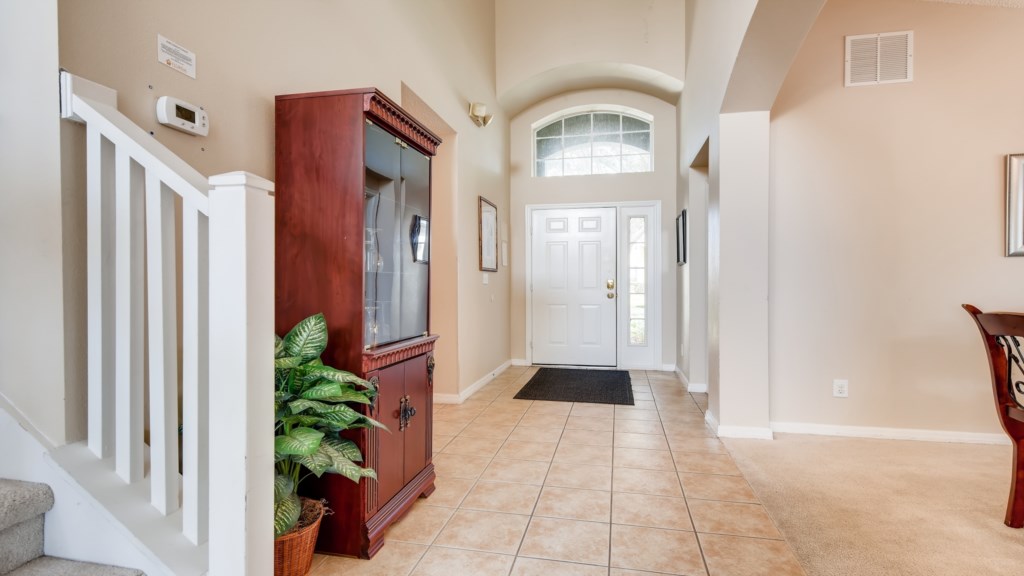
(163, 345)
(195, 375)
(128, 440)
(100, 290)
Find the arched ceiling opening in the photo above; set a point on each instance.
(590, 76)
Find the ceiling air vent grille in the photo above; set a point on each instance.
(879, 58)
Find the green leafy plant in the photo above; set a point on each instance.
(311, 408)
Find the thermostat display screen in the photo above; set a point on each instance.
(184, 113)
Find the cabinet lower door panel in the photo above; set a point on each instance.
(390, 467)
(417, 430)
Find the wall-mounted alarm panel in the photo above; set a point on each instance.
(183, 116)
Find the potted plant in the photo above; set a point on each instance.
(311, 408)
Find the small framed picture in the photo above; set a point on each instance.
(681, 238)
(488, 236)
(420, 239)
(1015, 205)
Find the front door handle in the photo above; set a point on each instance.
(611, 295)
(610, 284)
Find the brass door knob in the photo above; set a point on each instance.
(611, 295)
(610, 284)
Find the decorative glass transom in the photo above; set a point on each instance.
(593, 143)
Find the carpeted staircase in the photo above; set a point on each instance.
(22, 506)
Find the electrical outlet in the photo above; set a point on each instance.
(841, 388)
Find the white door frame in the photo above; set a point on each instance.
(655, 276)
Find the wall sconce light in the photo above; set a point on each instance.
(478, 113)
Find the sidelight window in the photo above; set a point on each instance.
(637, 248)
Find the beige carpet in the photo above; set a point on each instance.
(858, 507)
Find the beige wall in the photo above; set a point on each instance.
(249, 51)
(657, 185)
(887, 214)
(31, 243)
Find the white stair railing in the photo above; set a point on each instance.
(134, 184)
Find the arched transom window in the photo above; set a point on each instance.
(598, 142)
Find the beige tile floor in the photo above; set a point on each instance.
(531, 488)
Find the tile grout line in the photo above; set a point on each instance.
(514, 426)
(476, 480)
(689, 512)
(515, 555)
(744, 478)
(611, 519)
(502, 395)
(541, 493)
(611, 524)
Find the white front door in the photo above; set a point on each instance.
(573, 263)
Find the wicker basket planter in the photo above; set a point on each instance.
(293, 552)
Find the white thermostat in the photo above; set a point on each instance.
(183, 116)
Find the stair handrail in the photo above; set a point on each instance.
(227, 322)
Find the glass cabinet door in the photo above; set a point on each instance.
(415, 275)
(396, 244)
(382, 258)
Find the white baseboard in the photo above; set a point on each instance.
(447, 399)
(755, 432)
(519, 362)
(464, 394)
(669, 368)
(736, 431)
(889, 433)
(853, 432)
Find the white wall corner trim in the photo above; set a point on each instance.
(519, 362)
(465, 394)
(890, 433)
(682, 377)
(755, 432)
(669, 368)
(711, 421)
(695, 387)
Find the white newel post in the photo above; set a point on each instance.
(241, 431)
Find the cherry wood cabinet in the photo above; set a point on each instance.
(352, 222)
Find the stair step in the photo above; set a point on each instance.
(49, 566)
(20, 501)
(21, 543)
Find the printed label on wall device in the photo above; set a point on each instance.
(175, 56)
